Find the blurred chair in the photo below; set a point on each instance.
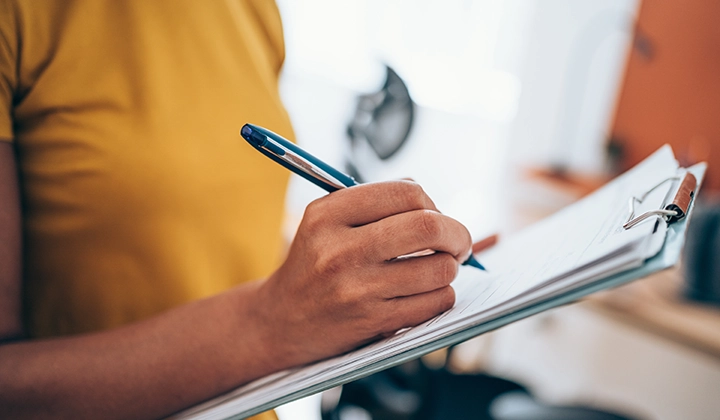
(701, 262)
(414, 392)
(521, 406)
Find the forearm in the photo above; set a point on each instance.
(145, 370)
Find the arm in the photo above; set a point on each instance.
(339, 277)
(10, 261)
(145, 370)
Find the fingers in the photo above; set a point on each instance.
(413, 231)
(414, 276)
(368, 203)
(409, 311)
(484, 244)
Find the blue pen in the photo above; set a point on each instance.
(306, 165)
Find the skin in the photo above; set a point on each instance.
(340, 287)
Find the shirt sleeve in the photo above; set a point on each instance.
(8, 68)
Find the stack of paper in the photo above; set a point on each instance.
(572, 253)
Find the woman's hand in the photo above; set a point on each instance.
(341, 287)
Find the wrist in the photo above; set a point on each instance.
(257, 331)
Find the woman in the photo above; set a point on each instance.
(126, 275)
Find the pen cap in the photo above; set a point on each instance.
(255, 138)
(259, 140)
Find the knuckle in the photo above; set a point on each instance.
(429, 224)
(312, 218)
(355, 296)
(414, 188)
(446, 269)
(327, 262)
(346, 297)
(413, 194)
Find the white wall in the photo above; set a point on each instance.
(572, 68)
(523, 81)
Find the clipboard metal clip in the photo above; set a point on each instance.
(675, 210)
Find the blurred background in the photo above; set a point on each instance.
(506, 111)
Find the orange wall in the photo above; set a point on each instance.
(671, 90)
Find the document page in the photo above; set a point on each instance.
(584, 242)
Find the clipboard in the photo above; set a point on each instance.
(681, 195)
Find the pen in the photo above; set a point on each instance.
(308, 166)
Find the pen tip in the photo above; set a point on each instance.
(473, 262)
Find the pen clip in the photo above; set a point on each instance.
(304, 165)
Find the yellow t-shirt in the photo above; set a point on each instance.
(138, 193)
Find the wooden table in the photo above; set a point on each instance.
(655, 304)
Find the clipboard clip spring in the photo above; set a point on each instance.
(675, 210)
